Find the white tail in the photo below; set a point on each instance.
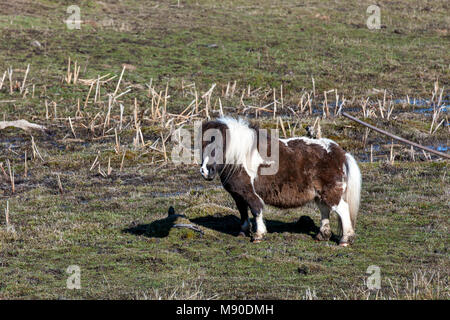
(353, 191)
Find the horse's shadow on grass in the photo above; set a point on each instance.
(161, 228)
(228, 224)
(157, 229)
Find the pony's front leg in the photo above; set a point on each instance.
(261, 229)
(243, 210)
(256, 207)
(243, 192)
(325, 230)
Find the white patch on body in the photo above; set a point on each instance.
(323, 142)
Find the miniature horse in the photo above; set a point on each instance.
(308, 169)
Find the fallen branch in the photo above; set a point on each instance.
(393, 136)
(188, 226)
(21, 124)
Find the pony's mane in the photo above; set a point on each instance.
(241, 147)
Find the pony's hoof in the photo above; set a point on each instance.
(323, 236)
(241, 234)
(347, 241)
(319, 237)
(257, 239)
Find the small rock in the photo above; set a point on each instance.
(36, 44)
(129, 66)
(303, 270)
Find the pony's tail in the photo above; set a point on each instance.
(353, 192)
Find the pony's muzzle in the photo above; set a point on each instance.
(208, 172)
(204, 173)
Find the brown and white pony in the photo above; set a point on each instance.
(308, 169)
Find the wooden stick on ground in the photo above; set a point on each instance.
(21, 124)
(441, 154)
(188, 226)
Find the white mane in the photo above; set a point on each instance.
(242, 146)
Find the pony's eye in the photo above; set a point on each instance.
(213, 139)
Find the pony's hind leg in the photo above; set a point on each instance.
(348, 234)
(325, 230)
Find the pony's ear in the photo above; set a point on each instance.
(253, 125)
(204, 126)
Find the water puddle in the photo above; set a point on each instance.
(441, 148)
(426, 106)
(381, 152)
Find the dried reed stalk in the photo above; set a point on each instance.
(60, 187)
(11, 176)
(25, 79)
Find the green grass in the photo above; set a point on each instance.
(119, 235)
(259, 44)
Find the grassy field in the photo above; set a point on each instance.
(94, 189)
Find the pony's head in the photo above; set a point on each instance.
(212, 149)
(226, 142)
